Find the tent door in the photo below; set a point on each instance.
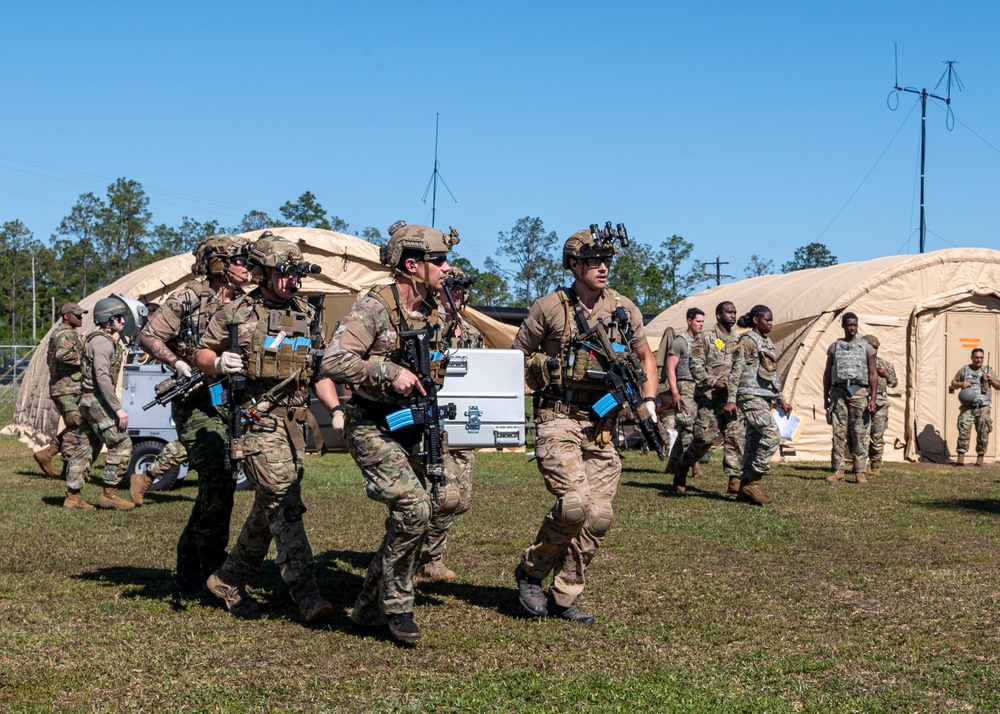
(966, 331)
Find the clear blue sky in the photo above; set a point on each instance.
(744, 127)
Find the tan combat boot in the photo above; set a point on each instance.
(875, 469)
(734, 485)
(233, 594)
(74, 500)
(960, 460)
(751, 492)
(980, 460)
(436, 570)
(836, 476)
(859, 477)
(138, 486)
(696, 470)
(44, 459)
(110, 499)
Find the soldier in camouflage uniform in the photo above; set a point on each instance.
(711, 363)
(974, 382)
(849, 400)
(104, 420)
(171, 336)
(64, 358)
(464, 336)
(682, 392)
(367, 354)
(575, 452)
(276, 345)
(752, 388)
(880, 419)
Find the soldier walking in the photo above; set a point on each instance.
(65, 359)
(682, 392)
(848, 397)
(275, 347)
(752, 388)
(974, 382)
(171, 337)
(575, 451)
(880, 419)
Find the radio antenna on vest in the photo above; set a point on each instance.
(432, 185)
(949, 76)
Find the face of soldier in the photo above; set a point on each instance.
(238, 271)
(850, 328)
(281, 285)
(727, 316)
(592, 272)
(72, 320)
(118, 323)
(696, 324)
(763, 323)
(977, 360)
(431, 270)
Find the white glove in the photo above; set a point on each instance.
(228, 363)
(337, 420)
(182, 369)
(650, 403)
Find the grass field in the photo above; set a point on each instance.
(877, 598)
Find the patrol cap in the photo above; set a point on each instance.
(873, 341)
(72, 308)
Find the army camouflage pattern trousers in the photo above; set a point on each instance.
(583, 477)
(173, 454)
(685, 417)
(201, 549)
(762, 437)
(70, 438)
(876, 441)
(713, 427)
(852, 419)
(979, 417)
(99, 427)
(396, 478)
(275, 468)
(441, 522)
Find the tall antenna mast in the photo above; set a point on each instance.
(432, 185)
(950, 75)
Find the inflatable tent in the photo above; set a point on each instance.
(350, 268)
(929, 311)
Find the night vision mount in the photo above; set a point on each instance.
(606, 237)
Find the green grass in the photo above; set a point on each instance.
(878, 598)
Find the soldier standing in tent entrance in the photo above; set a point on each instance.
(171, 337)
(973, 382)
(468, 337)
(64, 357)
(276, 341)
(369, 354)
(848, 399)
(711, 363)
(752, 388)
(104, 420)
(880, 419)
(575, 452)
(682, 392)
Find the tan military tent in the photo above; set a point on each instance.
(928, 311)
(350, 267)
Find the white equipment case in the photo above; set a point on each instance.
(487, 388)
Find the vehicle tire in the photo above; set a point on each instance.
(144, 454)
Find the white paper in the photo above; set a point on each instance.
(788, 424)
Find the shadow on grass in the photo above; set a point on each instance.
(500, 599)
(667, 491)
(980, 505)
(146, 583)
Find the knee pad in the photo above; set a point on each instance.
(571, 509)
(602, 520)
(447, 497)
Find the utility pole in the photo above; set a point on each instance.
(718, 270)
(950, 74)
(432, 185)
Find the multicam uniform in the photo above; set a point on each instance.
(274, 448)
(576, 456)
(201, 430)
(465, 461)
(688, 410)
(711, 360)
(366, 353)
(849, 401)
(977, 412)
(102, 361)
(753, 386)
(65, 357)
(880, 419)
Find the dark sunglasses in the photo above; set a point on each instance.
(238, 260)
(438, 260)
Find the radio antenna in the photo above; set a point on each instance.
(949, 76)
(432, 185)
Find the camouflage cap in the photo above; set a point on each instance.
(581, 245)
(72, 308)
(873, 341)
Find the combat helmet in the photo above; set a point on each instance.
(274, 252)
(459, 278)
(107, 308)
(134, 311)
(212, 254)
(594, 242)
(423, 239)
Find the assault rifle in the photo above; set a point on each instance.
(424, 409)
(173, 388)
(234, 395)
(623, 375)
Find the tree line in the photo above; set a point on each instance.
(106, 237)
